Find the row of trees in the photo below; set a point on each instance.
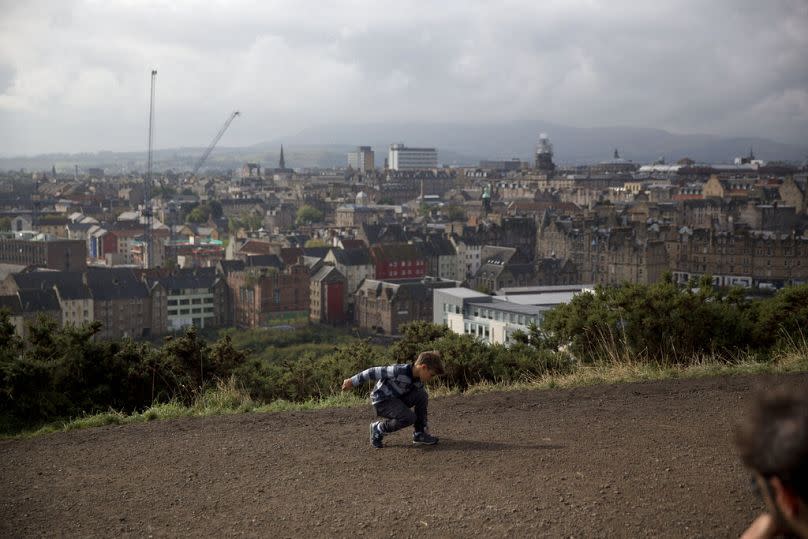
(61, 372)
(665, 323)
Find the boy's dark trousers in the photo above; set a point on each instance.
(398, 415)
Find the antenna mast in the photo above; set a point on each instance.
(147, 188)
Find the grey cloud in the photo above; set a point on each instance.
(7, 74)
(723, 67)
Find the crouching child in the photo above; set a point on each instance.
(400, 398)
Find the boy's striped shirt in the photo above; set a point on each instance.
(393, 381)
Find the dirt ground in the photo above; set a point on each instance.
(646, 459)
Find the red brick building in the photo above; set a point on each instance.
(263, 294)
(393, 261)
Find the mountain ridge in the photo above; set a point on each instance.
(457, 144)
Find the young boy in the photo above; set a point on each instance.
(399, 388)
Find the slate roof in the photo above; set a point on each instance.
(46, 280)
(496, 255)
(72, 290)
(316, 251)
(352, 257)
(191, 278)
(290, 255)
(115, 284)
(34, 301)
(229, 266)
(384, 233)
(352, 244)
(256, 247)
(270, 261)
(395, 252)
(80, 227)
(440, 246)
(328, 274)
(416, 289)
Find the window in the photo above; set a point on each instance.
(277, 296)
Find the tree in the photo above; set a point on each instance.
(216, 210)
(199, 214)
(5, 223)
(308, 214)
(315, 242)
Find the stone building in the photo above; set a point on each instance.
(794, 192)
(264, 294)
(385, 306)
(501, 267)
(742, 258)
(60, 254)
(327, 303)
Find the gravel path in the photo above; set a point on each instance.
(646, 459)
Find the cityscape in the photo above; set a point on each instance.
(483, 249)
(404, 269)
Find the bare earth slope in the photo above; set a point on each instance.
(645, 459)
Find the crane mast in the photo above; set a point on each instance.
(148, 252)
(213, 143)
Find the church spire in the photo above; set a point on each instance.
(282, 163)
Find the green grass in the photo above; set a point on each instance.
(229, 398)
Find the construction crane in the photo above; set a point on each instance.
(213, 144)
(148, 217)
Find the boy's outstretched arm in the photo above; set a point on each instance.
(369, 375)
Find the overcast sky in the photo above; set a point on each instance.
(74, 75)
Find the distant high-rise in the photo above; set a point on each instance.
(403, 158)
(544, 154)
(363, 159)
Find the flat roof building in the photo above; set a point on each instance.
(401, 157)
(362, 159)
(494, 319)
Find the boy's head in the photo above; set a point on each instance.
(428, 365)
(773, 442)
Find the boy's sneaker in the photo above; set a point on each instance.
(376, 435)
(424, 438)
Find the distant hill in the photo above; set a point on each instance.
(469, 143)
(457, 144)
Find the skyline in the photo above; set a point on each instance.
(77, 79)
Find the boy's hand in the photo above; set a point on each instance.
(347, 384)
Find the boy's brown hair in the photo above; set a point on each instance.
(773, 439)
(432, 360)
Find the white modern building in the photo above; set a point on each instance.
(401, 157)
(494, 319)
(489, 319)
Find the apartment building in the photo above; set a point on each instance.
(400, 157)
(362, 159)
